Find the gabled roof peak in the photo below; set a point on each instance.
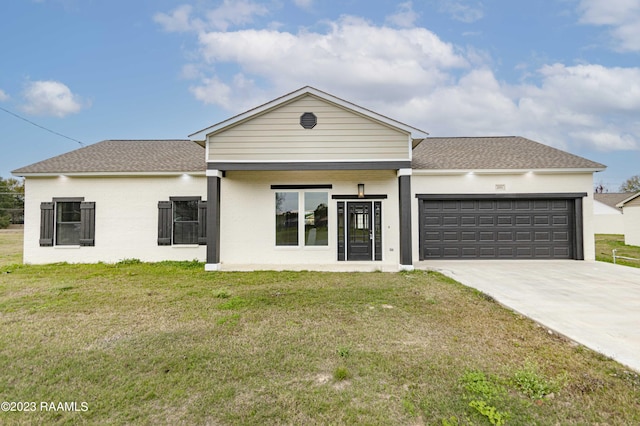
(307, 90)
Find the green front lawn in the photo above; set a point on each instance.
(606, 243)
(168, 343)
(10, 246)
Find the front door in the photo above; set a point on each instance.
(359, 231)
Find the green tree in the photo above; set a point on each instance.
(631, 185)
(11, 201)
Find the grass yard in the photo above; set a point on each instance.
(11, 246)
(168, 343)
(605, 243)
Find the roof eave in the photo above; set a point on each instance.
(623, 202)
(109, 174)
(417, 171)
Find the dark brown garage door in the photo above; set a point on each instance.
(497, 228)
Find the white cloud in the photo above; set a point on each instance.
(462, 12)
(414, 76)
(178, 20)
(235, 12)
(622, 16)
(360, 54)
(229, 13)
(213, 91)
(303, 4)
(51, 98)
(3, 96)
(405, 17)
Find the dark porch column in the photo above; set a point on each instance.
(213, 220)
(404, 186)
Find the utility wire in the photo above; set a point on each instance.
(42, 127)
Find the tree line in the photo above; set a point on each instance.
(11, 202)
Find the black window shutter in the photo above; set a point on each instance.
(202, 223)
(47, 224)
(164, 223)
(87, 223)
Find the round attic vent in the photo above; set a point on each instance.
(308, 120)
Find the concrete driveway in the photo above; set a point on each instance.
(593, 303)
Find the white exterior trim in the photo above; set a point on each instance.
(448, 172)
(405, 172)
(211, 267)
(310, 161)
(111, 174)
(214, 173)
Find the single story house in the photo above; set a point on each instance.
(631, 213)
(310, 181)
(607, 217)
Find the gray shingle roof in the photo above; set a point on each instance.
(118, 156)
(612, 198)
(508, 152)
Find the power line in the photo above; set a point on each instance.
(42, 127)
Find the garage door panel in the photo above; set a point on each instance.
(467, 205)
(487, 252)
(504, 236)
(453, 252)
(432, 236)
(485, 205)
(560, 205)
(561, 236)
(469, 252)
(505, 221)
(432, 220)
(541, 205)
(542, 236)
(504, 205)
(468, 236)
(432, 252)
(486, 220)
(490, 229)
(449, 206)
(468, 220)
(486, 236)
(539, 220)
(559, 220)
(523, 252)
(450, 236)
(543, 252)
(450, 220)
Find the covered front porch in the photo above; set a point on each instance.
(327, 220)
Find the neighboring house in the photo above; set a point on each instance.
(310, 181)
(607, 218)
(631, 212)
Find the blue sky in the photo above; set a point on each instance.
(562, 72)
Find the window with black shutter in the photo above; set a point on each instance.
(67, 222)
(182, 221)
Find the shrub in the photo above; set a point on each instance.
(5, 221)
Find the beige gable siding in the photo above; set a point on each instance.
(634, 202)
(340, 135)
